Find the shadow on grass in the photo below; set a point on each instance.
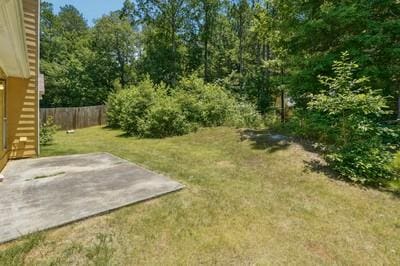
(122, 135)
(321, 167)
(263, 140)
(108, 127)
(318, 166)
(273, 142)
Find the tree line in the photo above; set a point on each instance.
(257, 49)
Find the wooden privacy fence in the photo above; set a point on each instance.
(75, 117)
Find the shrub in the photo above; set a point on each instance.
(149, 110)
(362, 161)
(115, 102)
(190, 106)
(347, 120)
(205, 104)
(164, 119)
(311, 125)
(246, 115)
(216, 105)
(211, 105)
(396, 165)
(135, 104)
(47, 131)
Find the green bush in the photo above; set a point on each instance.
(211, 105)
(245, 115)
(150, 110)
(346, 119)
(363, 161)
(47, 131)
(135, 104)
(114, 108)
(205, 104)
(311, 125)
(217, 105)
(190, 106)
(164, 119)
(396, 165)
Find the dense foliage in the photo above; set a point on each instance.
(254, 48)
(149, 110)
(317, 32)
(396, 164)
(345, 118)
(82, 63)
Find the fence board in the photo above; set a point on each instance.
(75, 117)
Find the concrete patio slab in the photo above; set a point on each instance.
(43, 193)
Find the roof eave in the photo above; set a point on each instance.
(13, 49)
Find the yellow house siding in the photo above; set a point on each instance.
(3, 160)
(22, 115)
(3, 152)
(22, 94)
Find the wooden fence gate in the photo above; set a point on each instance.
(75, 117)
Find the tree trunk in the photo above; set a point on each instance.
(206, 36)
(206, 71)
(174, 54)
(241, 54)
(398, 108)
(241, 33)
(174, 48)
(283, 109)
(283, 118)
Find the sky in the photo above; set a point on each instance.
(91, 9)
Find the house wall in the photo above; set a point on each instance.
(21, 111)
(22, 96)
(3, 159)
(22, 118)
(4, 154)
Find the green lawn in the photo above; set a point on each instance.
(243, 204)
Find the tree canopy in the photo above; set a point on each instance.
(255, 48)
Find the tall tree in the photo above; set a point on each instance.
(262, 66)
(71, 20)
(128, 12)
(316, 32)
(64, 57)
(209, 12)
(256, 48)
(116, 48)
(163, 48)
(240, 12)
